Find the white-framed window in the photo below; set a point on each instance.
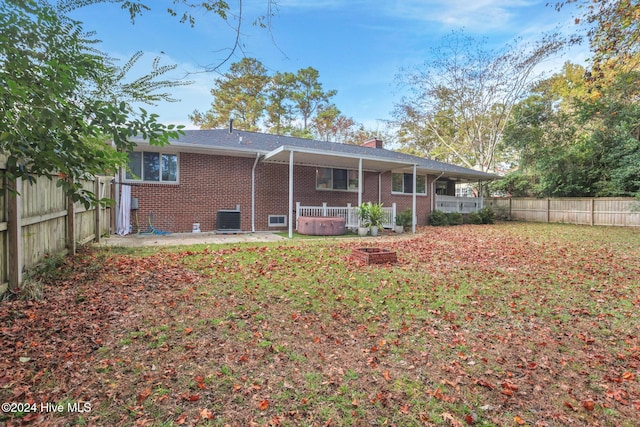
(277, 220)
(152, 167)
(402, 183)
(336, 179)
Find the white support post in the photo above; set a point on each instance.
(360, 183)
(324, 208)
(290, 194)
(413, 201)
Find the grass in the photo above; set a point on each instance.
(509, 324)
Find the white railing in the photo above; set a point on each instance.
(349, 213)
(459, 204)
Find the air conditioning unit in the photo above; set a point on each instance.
(228, 221)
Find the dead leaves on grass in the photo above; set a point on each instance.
(474, 323)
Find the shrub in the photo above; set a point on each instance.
(454, 218)
(473, 218)
(404, 218)
(487, 215)
(438, 218)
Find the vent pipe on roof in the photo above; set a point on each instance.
(230, 125)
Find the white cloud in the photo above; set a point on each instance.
(477, 15)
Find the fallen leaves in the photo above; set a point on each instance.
(588, 404)
(476, 323)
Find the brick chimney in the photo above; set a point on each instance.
(373, 143)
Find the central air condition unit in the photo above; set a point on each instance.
(228, 221)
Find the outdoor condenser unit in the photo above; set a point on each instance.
(228, 220)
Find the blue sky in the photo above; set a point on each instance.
(357, 46)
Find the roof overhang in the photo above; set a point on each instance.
(322, 158)
(178, 147)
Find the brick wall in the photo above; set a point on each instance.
(210, 183)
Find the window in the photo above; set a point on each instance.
(336, 179)
(441, 188)
(154, 167)
(403, 183)
(277, 220)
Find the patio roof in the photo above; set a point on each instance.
(314, 157)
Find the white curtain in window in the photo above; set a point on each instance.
(123, 217)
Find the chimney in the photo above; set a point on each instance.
(230, 125)
(373, 143)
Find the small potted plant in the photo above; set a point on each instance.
(364, 211)
(403, 220)
(376, 217)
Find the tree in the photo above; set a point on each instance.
(612, 28)
(238, 95)
(57, 95)
(279, 106)
(462, 98)
(331, 125)
(572, 141)
(308, 94)
(185, 10)
(291, 101)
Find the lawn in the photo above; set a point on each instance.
(496, 325)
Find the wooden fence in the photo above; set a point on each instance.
(616, 211)
(39, 220)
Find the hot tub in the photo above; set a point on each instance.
(321, 225)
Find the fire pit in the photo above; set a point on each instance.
(374, 256)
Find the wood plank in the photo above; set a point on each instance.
(42, 218)
(14, 205)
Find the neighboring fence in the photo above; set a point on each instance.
(41, 221)
(459, 204)
(349, 213)
(616, 211)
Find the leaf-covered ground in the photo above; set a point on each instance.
(510, 324)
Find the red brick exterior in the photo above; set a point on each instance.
(208, 183)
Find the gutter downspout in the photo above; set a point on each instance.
(433, 191)
(253, 194)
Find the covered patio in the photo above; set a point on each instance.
(379, 161)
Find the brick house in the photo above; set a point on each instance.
(205, 172)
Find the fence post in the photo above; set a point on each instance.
(394, 213)
(98, 210)
(548, 209)
(14, 231)
(593, 208)
(297, 211)
(71, 225)
(324, 208)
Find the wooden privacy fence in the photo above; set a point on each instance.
(41, 221)
(616, 211)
